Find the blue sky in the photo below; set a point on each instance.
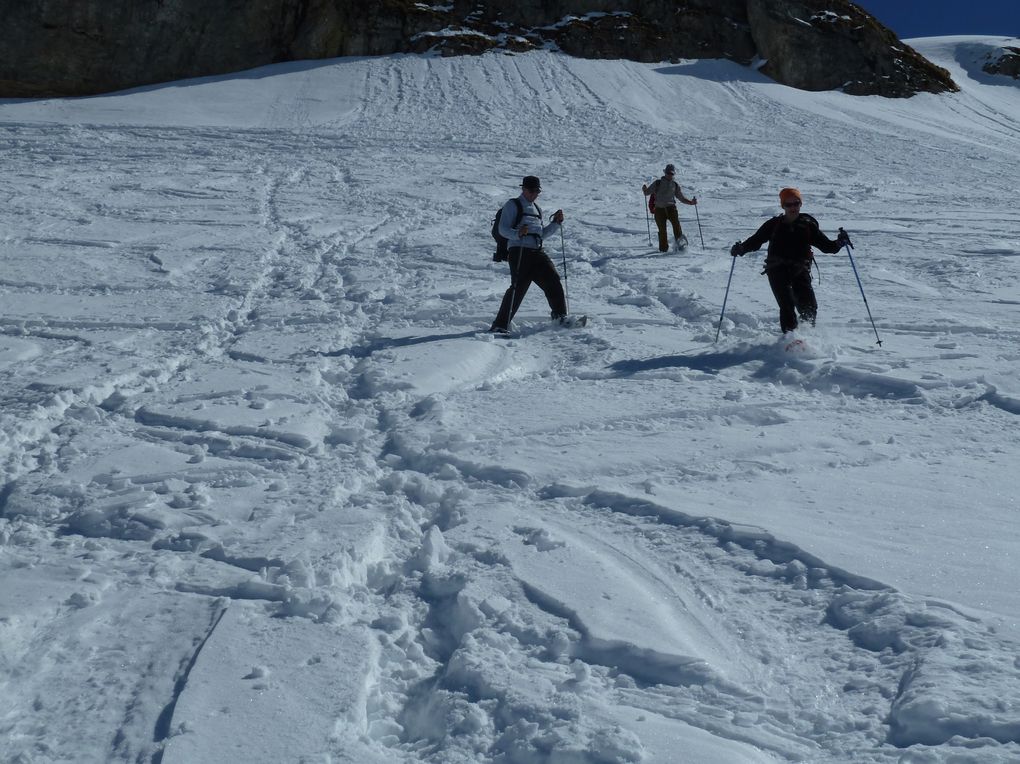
(932, 18)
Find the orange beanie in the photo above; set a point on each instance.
(789, 193)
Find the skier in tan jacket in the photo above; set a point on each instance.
(666, 192)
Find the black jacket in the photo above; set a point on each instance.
(790, 243)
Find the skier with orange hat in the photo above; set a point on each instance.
(788, 263)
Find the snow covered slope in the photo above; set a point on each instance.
(270, 493)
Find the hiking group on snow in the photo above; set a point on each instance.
(519, 230)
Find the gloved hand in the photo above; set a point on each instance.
(844, 239)
(644, 188)
(737, 249)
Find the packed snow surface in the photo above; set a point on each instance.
(270, 493)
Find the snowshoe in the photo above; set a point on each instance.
(572, 321)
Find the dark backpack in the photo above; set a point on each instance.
(502, 254)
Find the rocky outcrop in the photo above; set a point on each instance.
(81, 47)
(828, 44)
(1006, 61)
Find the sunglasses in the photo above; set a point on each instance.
(791, 205)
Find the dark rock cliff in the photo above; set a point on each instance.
(82, 47)
(1005, 61)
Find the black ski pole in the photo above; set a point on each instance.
(849, 245)
(698, 216)
(725, 298)
(648, 224)
(566, 283)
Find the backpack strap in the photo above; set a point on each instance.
(768, 251)
(520, 211)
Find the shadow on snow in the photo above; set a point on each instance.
(387, 343)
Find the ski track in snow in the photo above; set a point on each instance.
(267, 488)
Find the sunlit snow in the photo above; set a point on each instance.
(271, 493)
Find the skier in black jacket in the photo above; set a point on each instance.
(788, 263)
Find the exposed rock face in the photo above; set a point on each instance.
(81, 47)
(1004, 61)
(828, 44)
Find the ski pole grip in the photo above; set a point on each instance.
(846, 237)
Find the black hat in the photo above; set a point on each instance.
(670, 169)
(531, 183)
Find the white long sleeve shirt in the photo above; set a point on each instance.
(530, 218)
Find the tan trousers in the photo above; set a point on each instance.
(662, 214)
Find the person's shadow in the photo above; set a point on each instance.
(711, 362)
(386, 343)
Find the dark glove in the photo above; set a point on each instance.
(844, 239)
(737, 249)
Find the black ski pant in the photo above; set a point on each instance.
(662, 214)
(527, 266)
(791, 285)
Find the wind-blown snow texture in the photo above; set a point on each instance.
(270, 494)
